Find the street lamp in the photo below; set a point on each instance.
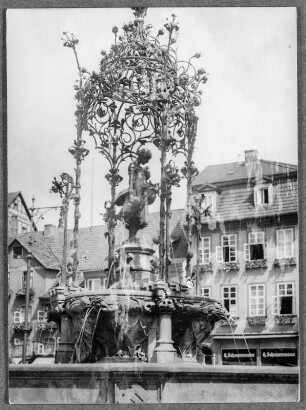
(27, 328)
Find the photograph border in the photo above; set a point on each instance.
(301, 105)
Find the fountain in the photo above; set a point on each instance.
(140, 339)
(142, 97)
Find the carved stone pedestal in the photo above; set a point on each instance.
(65, 350)
(165, 352)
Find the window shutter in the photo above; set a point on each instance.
(271, 194)
(275, 305)
(219, 254)
(246, 251)
(256, 196)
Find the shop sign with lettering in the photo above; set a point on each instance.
(239, 355)
(283, 357)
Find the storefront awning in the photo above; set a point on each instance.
(44, 360)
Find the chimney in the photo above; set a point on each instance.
(49, 229)
(251, 155)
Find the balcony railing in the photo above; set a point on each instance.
(206, 267)
(228, 266)
(22, 292)
(284, 262)
(285, 319)
(256, 264)
(256, 320)
(19, 327)
(43, 325)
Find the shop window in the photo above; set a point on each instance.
(48, 345)
(229, 298)
(254, 250)
(227, 252)
(284, 243)
(204, 250)
(24, 279)
(206, 292)
(17, 252)
(94, 284)
(283, 302)
(257, 300)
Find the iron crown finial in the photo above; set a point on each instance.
(140, 12)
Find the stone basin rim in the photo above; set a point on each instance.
(137, 293)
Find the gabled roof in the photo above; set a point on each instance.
(93, 246)
(11, 196)
(238, 203)
(237, 171)
(40, 251)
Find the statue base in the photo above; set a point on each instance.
(137, 272)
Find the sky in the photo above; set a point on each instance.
(249, 101)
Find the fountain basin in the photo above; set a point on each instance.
(167, 321)
(150, 383)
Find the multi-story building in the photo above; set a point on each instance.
(248, 259)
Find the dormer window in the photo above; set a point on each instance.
(211, 194)
(263, 195)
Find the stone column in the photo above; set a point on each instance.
(65, 349)
(164, 351)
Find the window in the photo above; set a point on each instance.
(41, 315)
(40, 348)
(283, 301)
(206, 292)
(228, 251)
(254, 250)
(104, 283)
(257, 300)
(230, 299)
(204, 251)
(22, 314)
(17, 317)
(263, 195)
(17, 252)
(208, 201)
(284, 243)
(24, 279)
(94, 284)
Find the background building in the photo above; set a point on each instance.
(248, 257)
(19, 220)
